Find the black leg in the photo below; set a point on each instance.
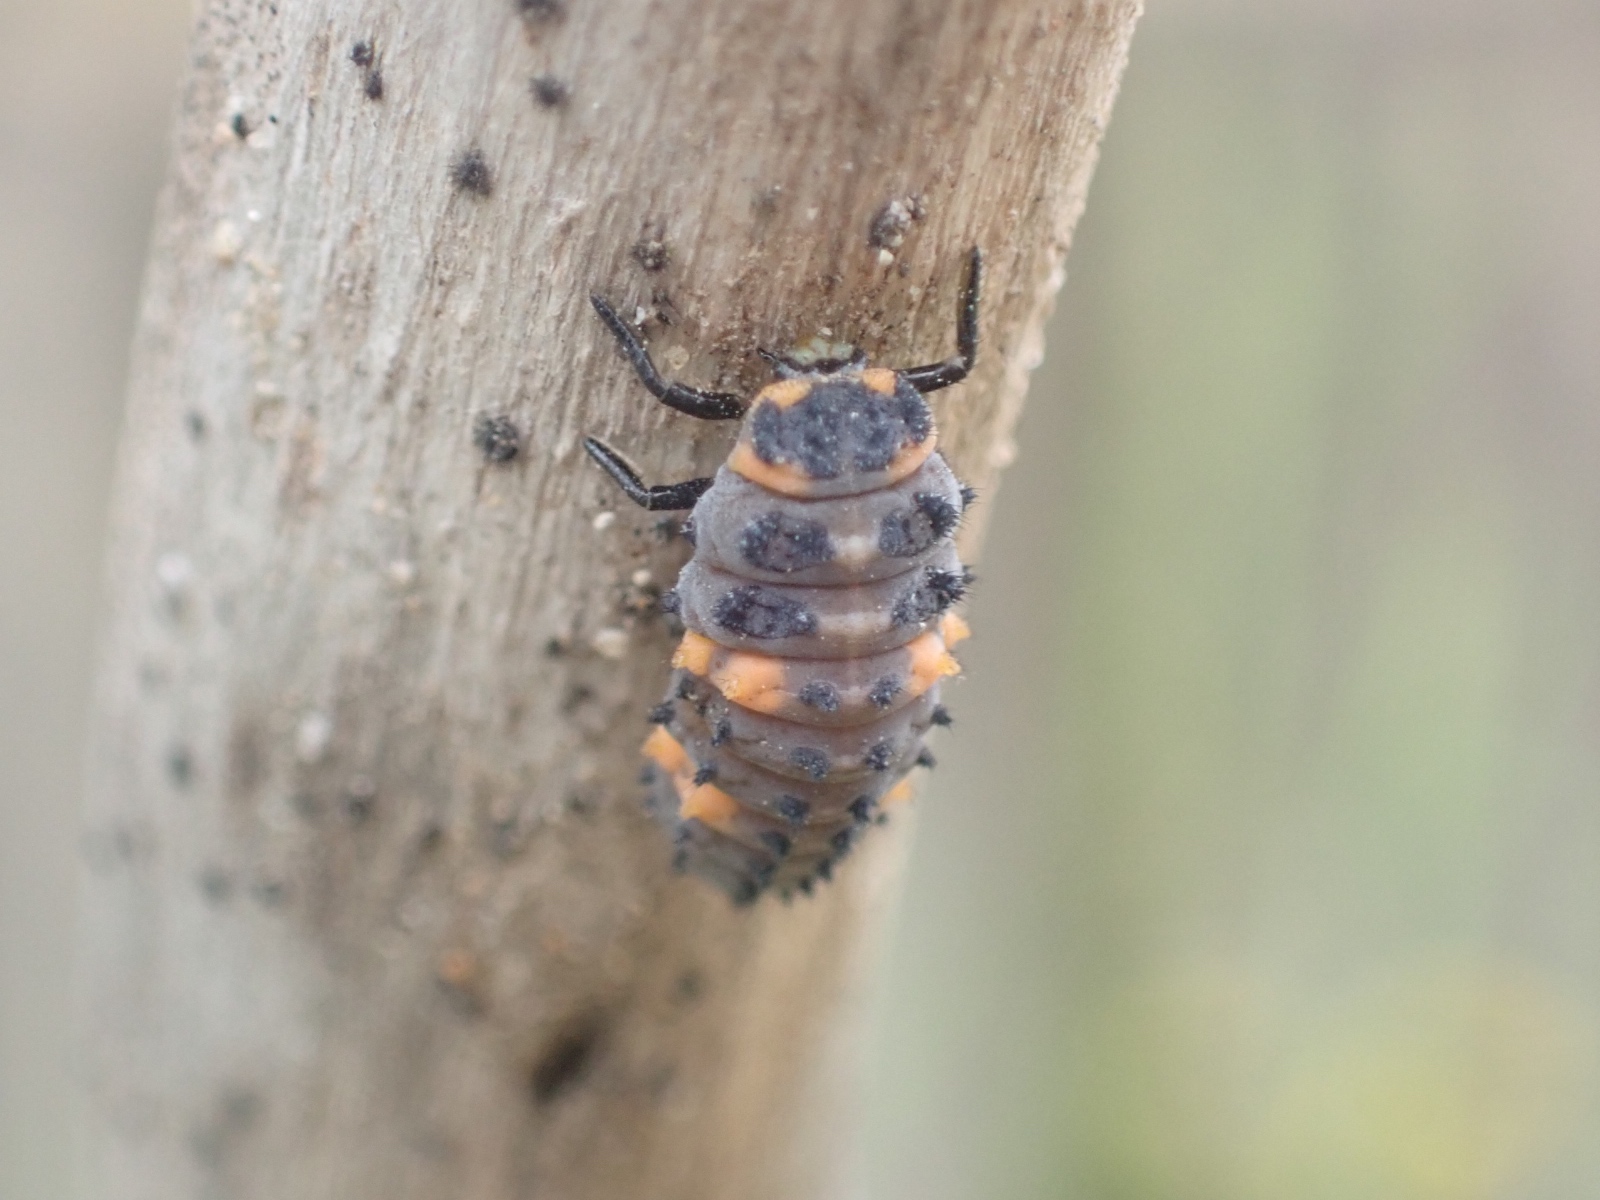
(953, 370)
(708, 406)
(671, 497)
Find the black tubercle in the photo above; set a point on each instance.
(705, 774)
(840, 425)
(884, 691)
(941, 716)
(661, 714)
(937, 591)
(880, 757)
(757, 612)
(775, 541)
(820, 695)
(906, 532)
(777, 842)
(793, 809)
(812, 761)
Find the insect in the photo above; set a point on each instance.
(817, 608)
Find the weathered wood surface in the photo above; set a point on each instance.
(372, 910)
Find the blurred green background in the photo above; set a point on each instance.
(1263, 860)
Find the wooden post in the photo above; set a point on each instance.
(372, 910)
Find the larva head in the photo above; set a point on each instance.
(837, 431)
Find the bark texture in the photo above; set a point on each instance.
(371, 907)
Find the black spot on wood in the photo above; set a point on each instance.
(372, 84)
(539, 11)
(216, 885)
(471, 173)
(566, 1058)
(195, 423)
(362, 53)
(240, 126)
(652, 253)
(497, 437)
(549, 92)
(180, 766)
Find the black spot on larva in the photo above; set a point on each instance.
(778, 843)
(880, 756)
(843, 839)
(240, 126)
(565, 1057)
(840, 425)
(722, 732)
(812, 761)
(746, 893)
(820, 695)
(940, 716)
(669, 601)
(705, 774)
(925, 758)
(776, 541)
(688, 532)
(806, 886)
(825, 870)
(362, 53)
(793, 809)
(758, 612)
(884, 691)
(680, 860)
(470, 173)
(661, 714)
(497, 437)
(652, 253)
(372, 84)
(969, 497)
(861, 808)
(909, 531)
(548, 91)
(647, 774)
(686, 686)
(936, 591)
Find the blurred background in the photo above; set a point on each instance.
(1265, 859)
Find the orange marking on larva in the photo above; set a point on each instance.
(707, 803)
(900, 793)
(667, 752)
(953, 629)
(751, 680)
(784, 393)
(912, 457)
(879, 379)
(778, 477)
(930, 662)
(694, 653)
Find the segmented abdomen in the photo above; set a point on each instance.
(817, 633)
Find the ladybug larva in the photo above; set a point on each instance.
(817, 608)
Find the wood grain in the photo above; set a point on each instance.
(371, 909)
